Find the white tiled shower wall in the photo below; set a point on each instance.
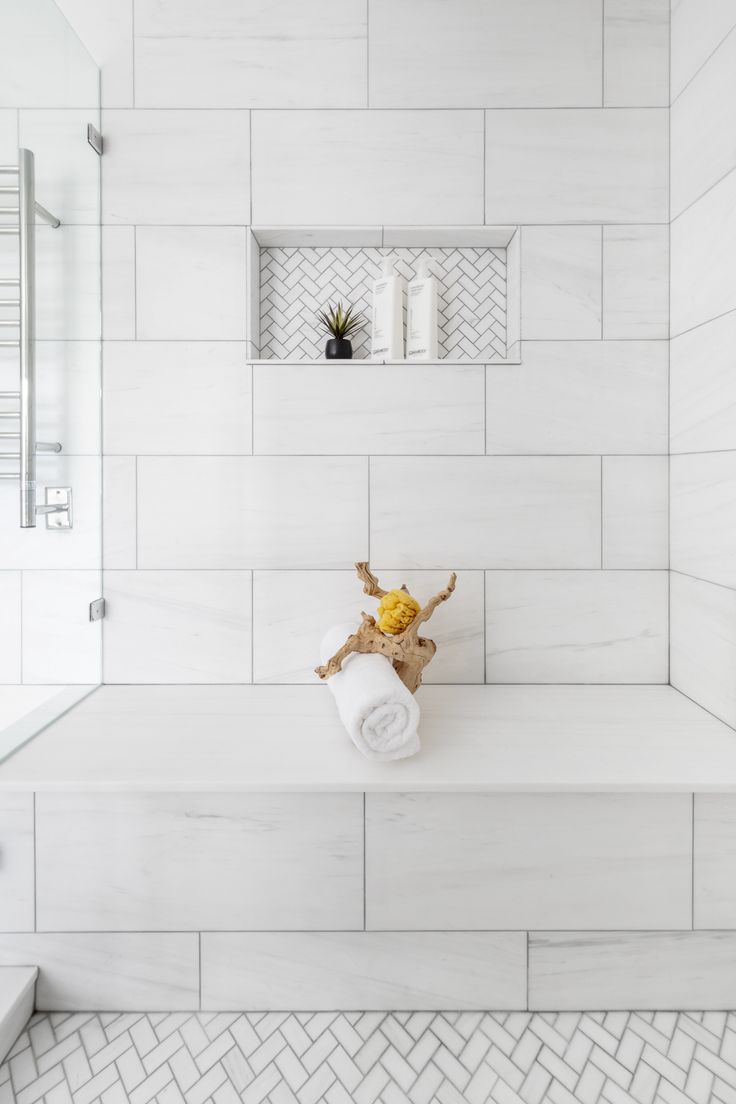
(703, 393)
(238, 497)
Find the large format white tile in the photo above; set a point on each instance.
(127, 971)
(355, 167)
(371, 970)
(465, 512)
(348, 408)
(287, 862)
(636, 40)
(631, 970)
(636, 288)
(68, 283)
(178, 626)
(703, 387)
(241, 512)
(60, 643)
(119, 509)
(698, 26)
(67, 169)
(16, 862)
(576, 626)
(176, 167)
(714, 841)
(577, 166)
(106, 28)
(118, 283)
(579, 397)
(10, 637)
(521, 861)
(703, 269)
(190, 283)
(635, 511)
(561, 282)
(60, 549)
(703, 119)
(703, 644)
(292, 610)
(543, 53)
(68, 395)
(177, 397)
(703, 516)
(242, 53)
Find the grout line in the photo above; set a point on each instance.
(199, 970)
(602, 267)
(484, 176)
(603, 53)
(692, 868)
(133, 52)
(703, 707)
(364, 866)
(137, 528)
(250, 168)
(528, 940)
(367, 54)
(20, 617)
(703, 195)
(369, 508)
(699, 325)
(669, 353)
(135, 283)
(485, 630)
(601, 513)
(700, 579)
(35, 875)
(700, 67)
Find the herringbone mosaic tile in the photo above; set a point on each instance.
(366, 1057)
(297, 282)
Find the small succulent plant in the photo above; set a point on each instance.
(340, 321)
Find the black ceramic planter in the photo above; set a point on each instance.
(338, 348)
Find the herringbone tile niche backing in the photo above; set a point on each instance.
(297, 282)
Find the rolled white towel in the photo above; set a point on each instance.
(380, 714)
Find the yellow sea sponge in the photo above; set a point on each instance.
(396, 612)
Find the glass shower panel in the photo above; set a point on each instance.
(50, 369)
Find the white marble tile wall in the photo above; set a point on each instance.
(290, 862)
(462, 861)
(576, 626)
(377, 970)
(631, 970)
(16, 862)
(424, 901)
(703, 304)
(553, 114)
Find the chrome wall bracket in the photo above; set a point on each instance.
(97, 609)
(94, 138)
(58, 508)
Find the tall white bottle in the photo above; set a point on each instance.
(388, 314)
(421, 316)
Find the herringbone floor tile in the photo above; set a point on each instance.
(367, 1057)
(296, 283)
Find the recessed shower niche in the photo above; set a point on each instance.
(296, 271)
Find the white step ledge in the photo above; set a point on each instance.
(288, 738)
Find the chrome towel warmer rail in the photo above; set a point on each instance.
(26, 210)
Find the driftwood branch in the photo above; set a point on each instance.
(409, 652)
